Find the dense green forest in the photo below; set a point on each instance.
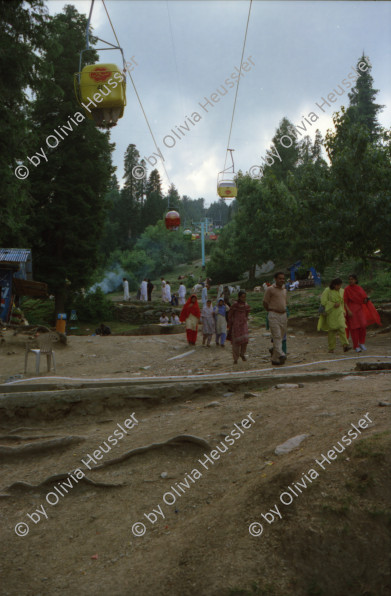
(303, 207)
(77, 220)
(81, 224)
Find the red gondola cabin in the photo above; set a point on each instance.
(172, 220)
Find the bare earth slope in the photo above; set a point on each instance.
(332, 538)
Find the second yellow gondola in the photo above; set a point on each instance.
(226, 185)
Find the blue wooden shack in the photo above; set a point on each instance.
(16, 279)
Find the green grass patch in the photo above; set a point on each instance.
(374, 277)
(375, 447)
(38, 311)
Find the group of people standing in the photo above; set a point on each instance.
(173, 299)
(217, 321)
(345, 312)
(144, 293)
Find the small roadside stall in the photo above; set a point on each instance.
(16, 279)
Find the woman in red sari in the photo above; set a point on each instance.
(360, 313)
(190, 315)
(238, 328)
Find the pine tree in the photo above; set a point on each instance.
(173, 198)
(286, 145)
(218, 212)
(69, 188)
(111, 233)
(363, 110)
(22, 33)
(361, 175)
(316, 153)
(154, 206)
(132, 198)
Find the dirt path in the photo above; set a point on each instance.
(96, 357)
(331, 539)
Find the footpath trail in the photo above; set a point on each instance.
(94, 358)
(117, 526)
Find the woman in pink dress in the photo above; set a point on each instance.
(238, 327)
(360, 313)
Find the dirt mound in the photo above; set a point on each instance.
(170, 515)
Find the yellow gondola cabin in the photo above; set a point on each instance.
(227, 189)
(101, 91)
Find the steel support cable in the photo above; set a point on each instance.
(237, 86)
(135, 90)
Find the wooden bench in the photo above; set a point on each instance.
(306, 283)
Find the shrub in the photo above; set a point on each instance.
(93, 306)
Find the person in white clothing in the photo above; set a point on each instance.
(164, 319)
(167, 292)
(294, 286)
(220, 292)
(163, 286)
(125, 284)
(144, 290)
(182, 294)
(204, 295)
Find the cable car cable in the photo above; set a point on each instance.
(135, 90)
(237, 86)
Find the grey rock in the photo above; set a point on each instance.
(290, 444)
(384, 403)
(352, 378)
(248, 395)
(213, 404)
(182, 355)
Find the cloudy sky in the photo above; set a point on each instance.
(184, 50)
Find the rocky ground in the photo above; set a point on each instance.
(329, 537)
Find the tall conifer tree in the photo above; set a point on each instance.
(361, 174)
(69, 188)
(22, 34)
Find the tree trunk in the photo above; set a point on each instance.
(251, 276)
(59, 302)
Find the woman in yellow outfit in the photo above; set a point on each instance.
(333, 317)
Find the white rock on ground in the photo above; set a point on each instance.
(290, 444)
